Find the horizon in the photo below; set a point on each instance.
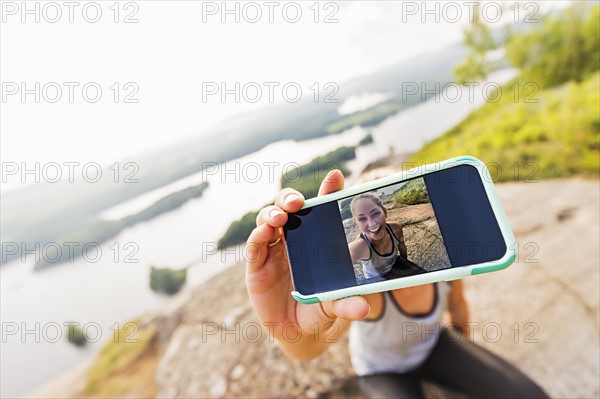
(361, 36)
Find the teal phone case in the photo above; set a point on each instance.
(431, 277)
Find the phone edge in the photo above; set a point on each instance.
(448, 274)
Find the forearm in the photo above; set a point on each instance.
(403, 251)
(398, 231)
(307, 345)
(304, 349)
(460, 319)
(459, 314)
(458, 308)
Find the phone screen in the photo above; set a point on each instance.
(437, 221)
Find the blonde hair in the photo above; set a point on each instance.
(370, 196)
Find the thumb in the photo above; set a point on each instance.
(351, 308)
(333, 181)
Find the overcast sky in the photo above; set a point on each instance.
(177, 48)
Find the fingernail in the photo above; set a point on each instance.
(274, 213)
(331, 172)
(290, 197)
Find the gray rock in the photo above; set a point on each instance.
(545, 308)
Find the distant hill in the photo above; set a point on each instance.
(45, 212)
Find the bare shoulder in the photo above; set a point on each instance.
(396, 228)
(359, 249)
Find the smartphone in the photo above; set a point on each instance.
(436, 222)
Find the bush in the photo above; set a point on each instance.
(345, 210)
(238, 231)
(412, 193)
(167, 280)
(368, 139)
(555, 134)
(565, 48)
(76, 336)
(113, 372)
(307, 178)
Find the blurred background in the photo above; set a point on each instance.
(139, 139)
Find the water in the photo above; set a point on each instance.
(409, 131)
(114, 289)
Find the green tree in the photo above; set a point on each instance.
(479, 41)
(368, 139)
(167, 280)
(565, 47)
(412, 193)
(307, 178)
(239, 230)
(75, 335)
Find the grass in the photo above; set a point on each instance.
(126, 366)
(555, 133)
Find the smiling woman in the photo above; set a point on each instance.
(393, 233)
(379, 249)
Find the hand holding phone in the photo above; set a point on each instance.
(432, 223)
(269, 282)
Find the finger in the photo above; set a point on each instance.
(257, 247)
(272, 215)
(351, 308)
(289, 200)
(333, 181)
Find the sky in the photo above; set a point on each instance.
(120, 79)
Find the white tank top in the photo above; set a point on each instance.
(378, 265)
(396, 342)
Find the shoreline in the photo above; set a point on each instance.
(198, 302)
(67, 385)
(71, 382)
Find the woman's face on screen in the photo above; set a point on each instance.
(370, 218)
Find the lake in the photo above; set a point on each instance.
(101, 295)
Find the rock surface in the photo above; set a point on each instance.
(541, 314)
(221, 350)
(422, 236)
